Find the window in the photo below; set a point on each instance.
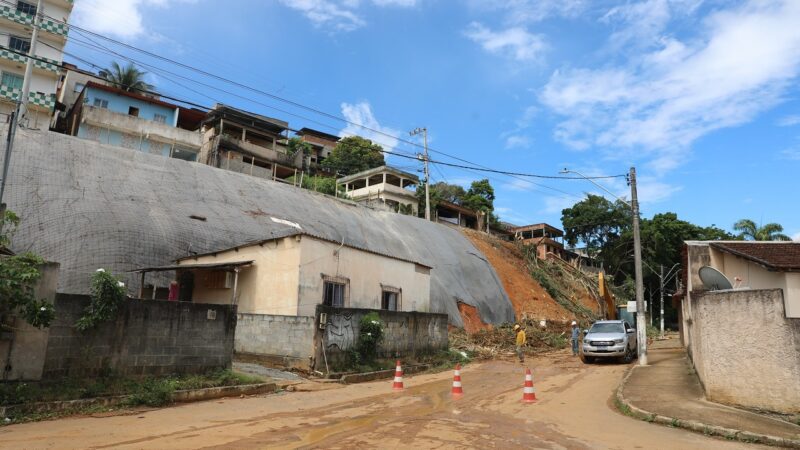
(160, 118)
(390, 301)
(133, 111)
(78, 87)
(11, 80)
(335, 291)
(100, 103)
(27, 8)
(184, 154)
(19, 44)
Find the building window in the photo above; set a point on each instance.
(390, 298)
(160, 118)
(334, 291)
(133, 111)
(11, 80)
(78, 87)
(256, 162)
(184, 154)
(101, 103)
(19, 44)
(27, 8)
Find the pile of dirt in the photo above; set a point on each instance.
(501, 341)
(530, 300)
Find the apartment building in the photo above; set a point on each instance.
(16, 29)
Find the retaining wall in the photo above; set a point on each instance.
(148, 337)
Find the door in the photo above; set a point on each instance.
(186, 286)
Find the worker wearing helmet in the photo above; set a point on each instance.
(520, 342)
(576, 334)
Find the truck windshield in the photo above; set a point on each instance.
(607, 328)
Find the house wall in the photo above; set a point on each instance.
(406, 334)
(29, 345)
(744, 349)
(147, 337)
(120, 104)
(269, 286)
(366, 272)
(286, 341)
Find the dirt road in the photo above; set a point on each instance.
(573, 411)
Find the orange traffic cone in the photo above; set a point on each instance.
(528, 392)
(457, 391)
(398, 377)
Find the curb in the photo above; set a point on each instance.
(181, 396)
(381, 374)
(698, 427)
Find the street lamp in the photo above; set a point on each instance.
(641, 331)
(424, 132)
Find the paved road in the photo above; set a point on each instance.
(574, 411)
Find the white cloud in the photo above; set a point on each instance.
(516, 42)
(361, 114)
(527, 11)
(120, 18)
(519, 185)
(556, 204)
(739, 65)
(518, 141)
(796, 237)
(789, 121)
(340, 15)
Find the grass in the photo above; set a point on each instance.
(151, 391)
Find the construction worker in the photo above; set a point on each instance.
(576, 334)
(520, 342)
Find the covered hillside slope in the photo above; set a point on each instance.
(87, 205)
(574, 296)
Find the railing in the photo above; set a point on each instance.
(46, 24)
(34, 98)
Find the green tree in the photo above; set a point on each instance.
(18, 277)
(107, 295)
(596, 222)
(440, 191)
(352, 155)
(480, 196)
(128, 78)
(295, 144)
(748, 230)
(318, 183)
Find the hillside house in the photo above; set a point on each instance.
(248, 143)
(384, 187)
(546, 238)
(113, 116)
(322, 144)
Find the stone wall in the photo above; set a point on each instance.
(24, 360)
(407, 334)
(286, 341)
(744, 349)
(148, 337)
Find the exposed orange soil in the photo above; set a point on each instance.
(529, 299)
(472, 318)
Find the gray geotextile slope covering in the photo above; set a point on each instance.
(86, 205)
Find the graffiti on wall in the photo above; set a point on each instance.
(339, 331)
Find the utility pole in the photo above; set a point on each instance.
(21, 112)
(661, 295)
(641, 331)
(424, 158)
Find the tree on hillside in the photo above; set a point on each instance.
(596, 222)
(440, 191)
(480, 196)
(749, 231)
(128, 78)
(352, 155)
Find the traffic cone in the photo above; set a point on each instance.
(528, 392)
(457, 391)
(398, 377)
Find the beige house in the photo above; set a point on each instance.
(383, 186)
(291, 273)
(743, 341)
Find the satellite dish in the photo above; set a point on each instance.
(714, 280)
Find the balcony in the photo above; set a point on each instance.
(125, 123)
(49, 65)
(47, 25)
(278, 156)
(46, 101)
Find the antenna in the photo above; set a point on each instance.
(714, 280)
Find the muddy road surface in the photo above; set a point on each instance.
(573, 411)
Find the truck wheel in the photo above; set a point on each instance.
(587, 359)
(630, 355)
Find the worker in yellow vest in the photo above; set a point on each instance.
(520, 342)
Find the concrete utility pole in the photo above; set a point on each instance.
(661, 295)
(424, 158)
(641, 331)
(21, 113)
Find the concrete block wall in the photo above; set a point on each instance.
(406, 334)
(148, 337)
(280, 340)
(744, 349)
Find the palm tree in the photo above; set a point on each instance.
(128, 78)
(749, 231)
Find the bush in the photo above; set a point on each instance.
(153, 392)
(369, 337)
(107, 293)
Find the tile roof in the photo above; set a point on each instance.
(776, 256)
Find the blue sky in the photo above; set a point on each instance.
(700, 96)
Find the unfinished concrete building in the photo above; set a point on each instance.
(322, 144)
(383, 187)
(546, 238)
(248, 143)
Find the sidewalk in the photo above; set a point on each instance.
(669, 387)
